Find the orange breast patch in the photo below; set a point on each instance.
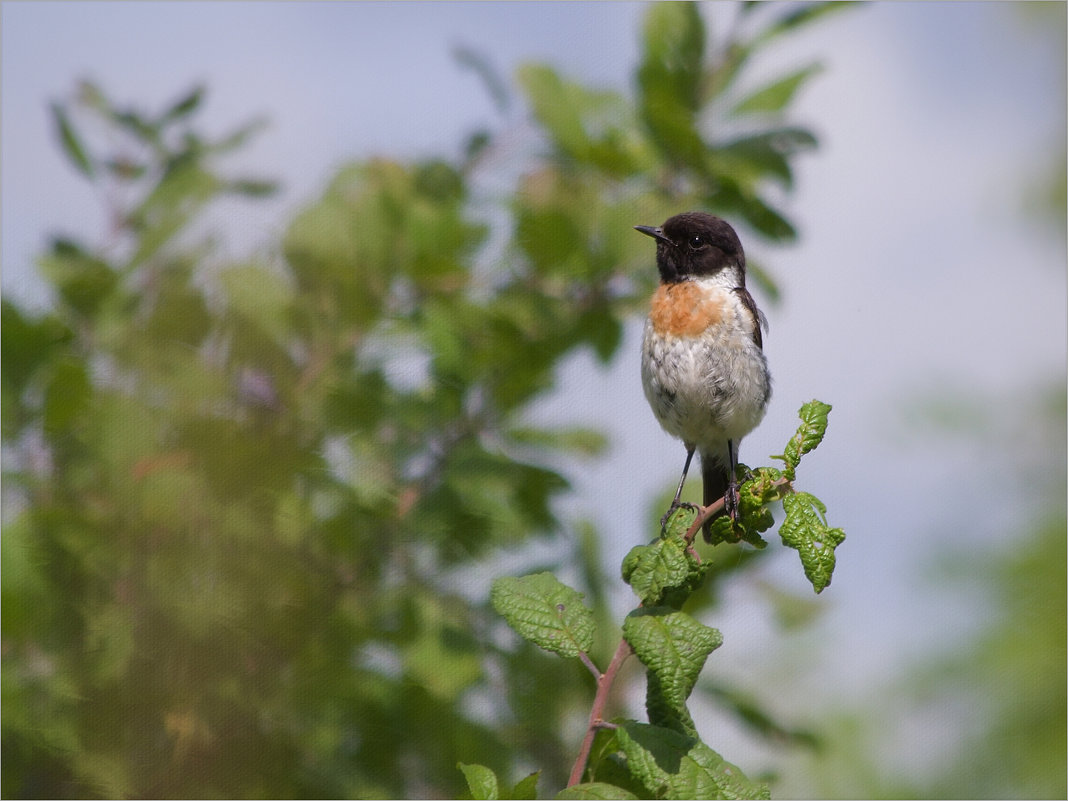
(686, 309)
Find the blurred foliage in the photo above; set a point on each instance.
(241, 495)
(995, 702)
(1016, 671)
(1012, 672)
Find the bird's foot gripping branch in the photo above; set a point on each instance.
(664, 758)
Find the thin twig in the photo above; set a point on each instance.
(589, 663)
(604, 685)
(703, 515)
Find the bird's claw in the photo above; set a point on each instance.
(730, 503)
(675, 506)
(730, 499)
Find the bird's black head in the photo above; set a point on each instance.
(695, 244)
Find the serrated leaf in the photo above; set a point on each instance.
(594, 790)
(545, 612)
(679, 523)
(776, 95)
(805, 529)
(754, 516)
(481, 781)
(652, 569)
(672, 645)
(674, 765)
(808, 435)
(71, 142)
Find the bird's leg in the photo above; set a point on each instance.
(675, 504)
(685, 470)
(730, 500)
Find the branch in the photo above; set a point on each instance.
(589, 664)
(604, 686)
(705, 513)
(716, 506)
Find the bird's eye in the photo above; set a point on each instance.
(696, 242)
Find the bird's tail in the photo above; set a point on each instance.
(716, 479)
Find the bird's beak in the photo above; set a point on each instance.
(656, 233)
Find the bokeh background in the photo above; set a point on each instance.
(924, 298)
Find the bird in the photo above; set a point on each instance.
(703, 366)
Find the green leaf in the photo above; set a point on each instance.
(171, 205)
(186, 106)
(92, 96)
(749, 159)
(26, 343)
(653, 570)
(137, 125)
(755, 493)
(679, 523)
(261, 296)
(239, 137)
(71, 142)
(479, 63)
(595, 791)
(82, 280)
(580, 441)
(602, 329)
(669, 78)
(25, 591)
(797, 17)
(250, 187)
(481, 781)
(551, 236)
(674, 647)
(776, 95)
(742, 199)
(737, 53)
(674, 765)
(526, 789)
(553, 108)
(443, 657)
(756, 718)
(67, 394)
(674, 39)
(809, 434)
(805, 528)
(125, 169)
(766, 284)
(545, 612)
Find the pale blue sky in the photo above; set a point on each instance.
(917, 272)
